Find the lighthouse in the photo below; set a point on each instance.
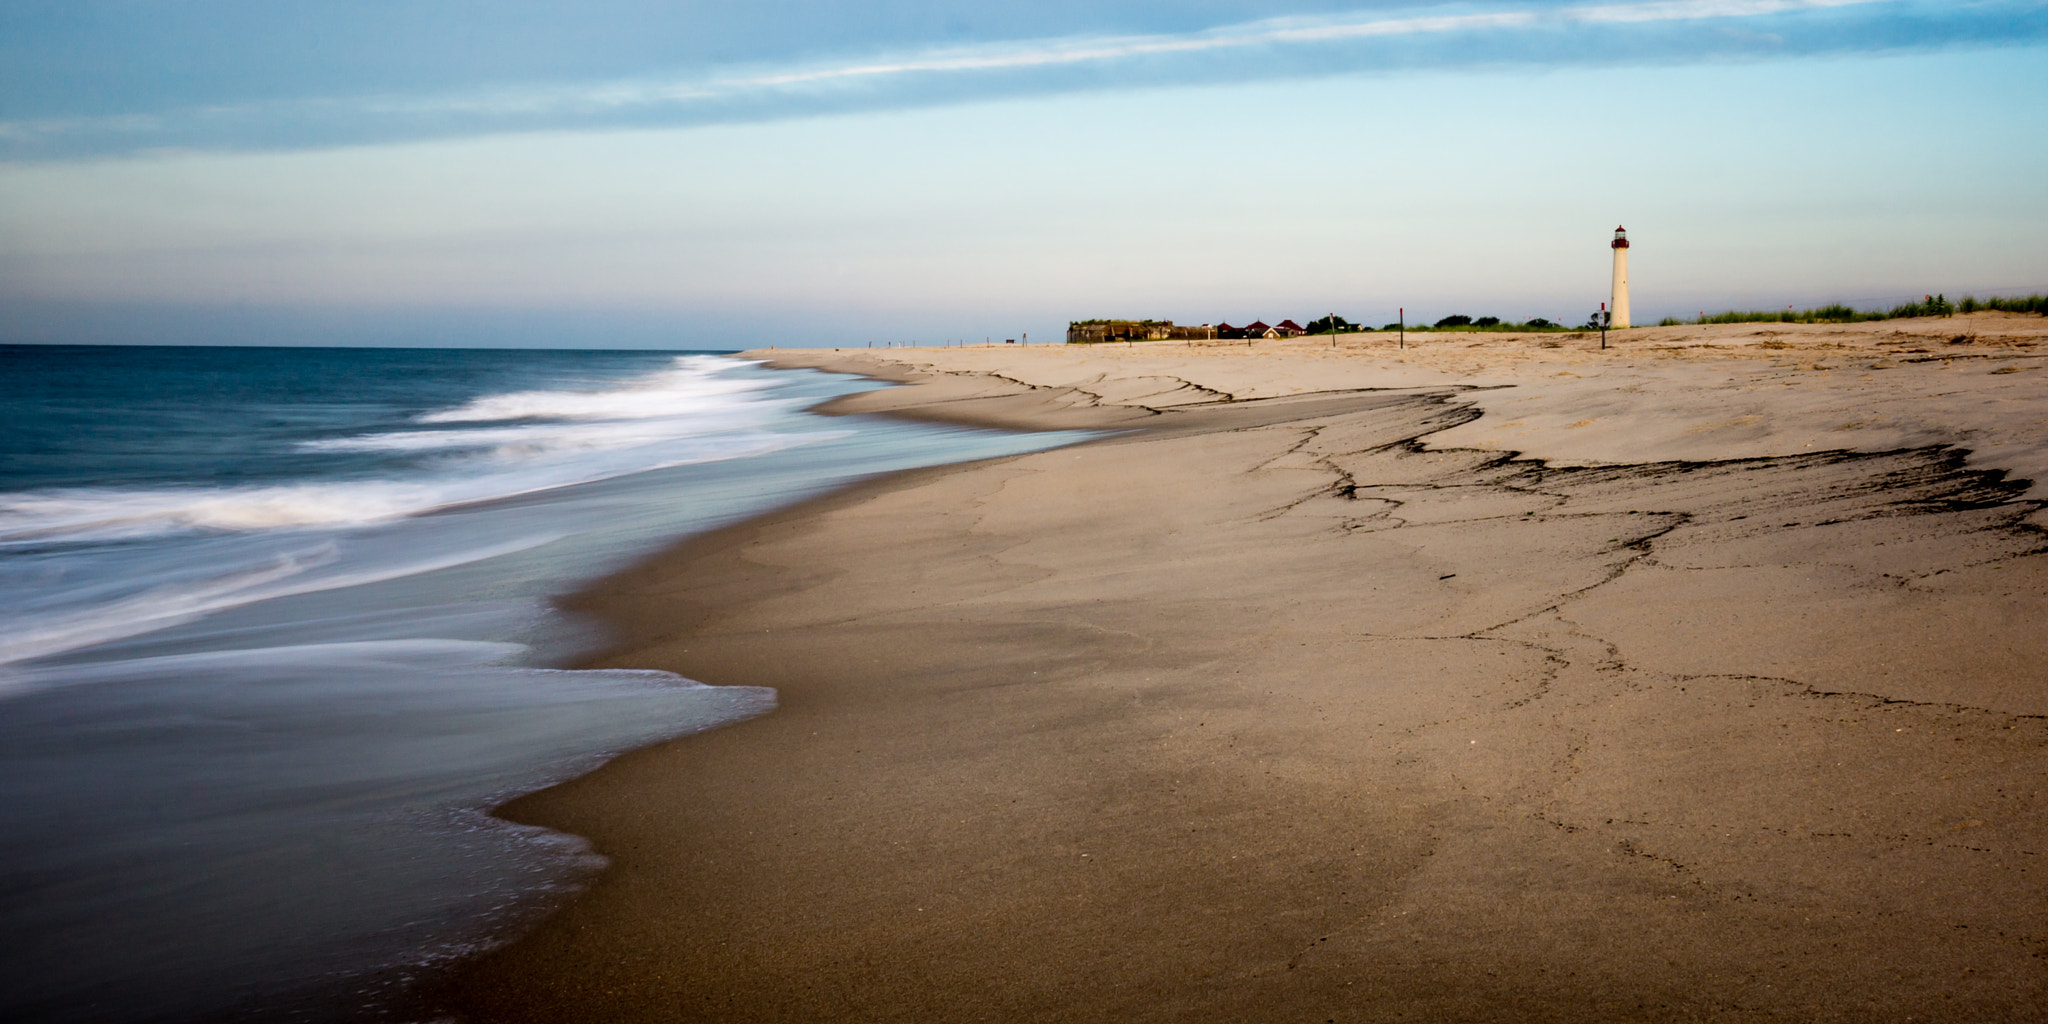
(1620, 303)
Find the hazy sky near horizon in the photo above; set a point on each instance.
(631, 172)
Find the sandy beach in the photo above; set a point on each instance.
(1493, 678)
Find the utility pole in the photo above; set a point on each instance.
(1404, 328)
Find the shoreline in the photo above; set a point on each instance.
(1302, 703)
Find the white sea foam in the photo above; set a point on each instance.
(692, 398)
(688, 413)
(532, 441)
(104, 514)
(691, 384)
(42, 634)
(93, 514)
(412, 655)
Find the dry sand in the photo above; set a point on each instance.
(1692, 680)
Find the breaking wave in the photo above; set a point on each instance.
(512, 444)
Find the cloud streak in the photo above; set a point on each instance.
(1269, 33)
(1364, 41)
(1285, 31)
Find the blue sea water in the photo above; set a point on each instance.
(275, 632)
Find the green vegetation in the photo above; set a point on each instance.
(1837, 313)
(1831, 314)
(1461, 320)
(1334, 324)
(1834, 313)
(2029, 304)
(1460, 323)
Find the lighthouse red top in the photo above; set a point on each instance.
(1620, 237)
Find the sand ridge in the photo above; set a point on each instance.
(1288, 700)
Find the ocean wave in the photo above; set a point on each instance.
(691, 384)
(74, 515)
(692, 398)
(528, 442)
(690, 412)
(93, 565)
(55, 631)
(425, 654)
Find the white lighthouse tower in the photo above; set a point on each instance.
(1620, 303)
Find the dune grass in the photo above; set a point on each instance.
(1837, 313)
(2027, 304)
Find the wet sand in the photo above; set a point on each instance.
(1698, 679)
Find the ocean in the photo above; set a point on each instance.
(275, 633)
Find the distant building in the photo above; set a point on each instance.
(1088, 332)
(1262, 329)
(1082, 332)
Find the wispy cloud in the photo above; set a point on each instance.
(1276, 32)
(1362, 41)
(1268, 33)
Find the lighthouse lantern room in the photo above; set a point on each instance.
(1619, 318)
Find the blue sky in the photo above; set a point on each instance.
(636, 173)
